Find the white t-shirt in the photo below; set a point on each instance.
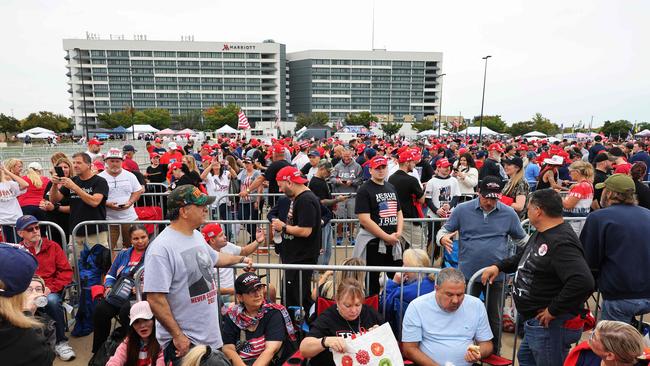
(10, 209)
(120, 189)
(181, 267)
(93, 155)
(300, 160)
(227, 275)
(441, 191)
(218, 186)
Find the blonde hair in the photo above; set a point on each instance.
(584, 168)
(56, 157)
(417, 258)
(35, 177)
(193, 357)
(191, 163)
(11, 163)
(621, 339)
(350, 287)
(11, 310)
(329, 287)
(512, 183)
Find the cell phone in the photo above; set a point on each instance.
(59, 171)
(121, 205)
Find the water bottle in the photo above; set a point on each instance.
(277, 237)
(40, 301)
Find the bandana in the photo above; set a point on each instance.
(242, 320)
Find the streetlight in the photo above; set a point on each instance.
(83, 92)
(480, 128)
(440, 106)
(132, 105)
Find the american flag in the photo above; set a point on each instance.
(253, 347)
(277, 120)
(243, 121)
(388, 209)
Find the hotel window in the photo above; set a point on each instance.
(168, 54)
(210, 54)
(188, 54)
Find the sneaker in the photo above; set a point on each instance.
(64, 351)
(339, 241)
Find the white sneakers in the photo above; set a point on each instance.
(64, 351)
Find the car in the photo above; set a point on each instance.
(102, 136)
(315, 133)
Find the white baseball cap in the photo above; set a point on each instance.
(172, 145)
(554, 160)
(140, 310)
(113, 153)
(35, 165)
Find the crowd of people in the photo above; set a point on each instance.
(416, 202)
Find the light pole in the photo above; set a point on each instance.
(440, 106)
(132, 105)
(83, 92)
(480, 128)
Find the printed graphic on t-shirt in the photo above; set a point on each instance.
(199, 275)
(253, 347)
(387, 204)
(584, 191)
(289, 222)
(347, 333)
(444, 194)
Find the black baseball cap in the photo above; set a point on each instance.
(247, 282)
(128, 148)
(491, 187)
(602, 156)
(515, 160)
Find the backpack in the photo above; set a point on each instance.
(108, 348)
(93, 264)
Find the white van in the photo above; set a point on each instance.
(345, 136)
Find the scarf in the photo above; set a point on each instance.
(242, 320)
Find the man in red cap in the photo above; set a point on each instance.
(157, 146)
(94, 147)
(279, 162)
(410, 196)
(492, 165)
(301, 158)
(301, 234)
(380, 216)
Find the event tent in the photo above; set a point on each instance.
(37, 133)
(535, 134)
(226, 129)
(186, 131)
(644, 133)
(474, 130)
(166, 131)
(142, 129)
(427, 133)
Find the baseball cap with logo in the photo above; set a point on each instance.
(325, 164)
(175, 165)
(172, 145)
(378, 161)
(154, 155)
(24, 221)
(443, 163)
(128, 148)
(18, 267)
(490, 187)
(211, 230)
(247, 282)
(277, 149)
(188, 195)
(290, 174)
(621, 183)
(113, 153)
(314, 153)
(304, 145)
(95, 142)
(407, 155)
(495, 147)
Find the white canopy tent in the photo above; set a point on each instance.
(166, 131)
(427, 133)
(37, 133)
(535, 134)
(225, 129)
(142, 129)
(474, 130)
(186, 131)
(644, 133)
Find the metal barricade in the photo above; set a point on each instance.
(152, 199)
(49, 227)
(138, 278)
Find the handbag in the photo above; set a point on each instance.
(123, 288)
(506, 200)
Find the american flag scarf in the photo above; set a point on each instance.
(242, 320)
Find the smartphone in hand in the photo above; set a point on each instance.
(59, 171)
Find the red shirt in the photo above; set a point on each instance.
(169, 157)
(33, 195)
(130, 165)
(53, 266)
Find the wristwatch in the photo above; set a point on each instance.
(322, 343)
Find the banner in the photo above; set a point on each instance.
(377, 347)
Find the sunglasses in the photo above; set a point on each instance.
(31, 229)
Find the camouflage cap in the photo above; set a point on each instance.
(187, 195)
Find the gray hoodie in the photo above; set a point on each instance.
(351, 171)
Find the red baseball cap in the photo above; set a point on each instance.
(277, 149)
(176, 165)
(95, 142)
(98, 165)
(407, 155)
(361, 148)
(206, 158)
(157, 140)
(255, 142)
(462, 150)
(290, 174)
(496, 147)
(443, 163)
(304, 144)
(206, 147)
(211, 230)
(154, 155)
(378, 161)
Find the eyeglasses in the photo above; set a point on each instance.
(31, 229)
(37, 289)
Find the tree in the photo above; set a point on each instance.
(422, 125)
(391, 128)
(156, 117)
(544, 125)
(643, 126)
(495, 123)
(362, 118)
(311, 119)
(9, 124)
(190, 120)
(218, 116)
(521, 128)
(619, 128)
(49, 120)
(123, 118)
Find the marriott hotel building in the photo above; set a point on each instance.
(107, 76)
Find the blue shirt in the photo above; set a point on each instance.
(483, 237)
(531, 172)
(444, 336)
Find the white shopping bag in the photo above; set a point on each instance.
(377, 347)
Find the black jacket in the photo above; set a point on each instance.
(551, 273)
(20, 346)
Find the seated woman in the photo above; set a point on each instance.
(349, 316)
(265, 326)
(611, 343)
(414, 285)
(124, 265)
(140, 347)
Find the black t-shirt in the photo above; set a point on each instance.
(80, 211)
(185, 179)
(305, 169)
(490, 167)
(320, 188)
(303, 212)
(272, 171)
(331, 324)
(380, 201)
(599, 177)
(270, 328)
(642, 194)
(406, 187)
(157, 174)
(426, 171)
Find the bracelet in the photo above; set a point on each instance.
(242, 259)
(322, 343)
(56, 206)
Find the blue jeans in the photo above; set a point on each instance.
(55, 310)
(326, 245)
(624, 310)
(546, 346)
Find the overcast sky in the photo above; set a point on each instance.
(568, 60)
